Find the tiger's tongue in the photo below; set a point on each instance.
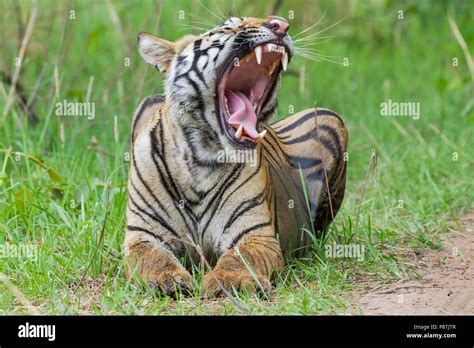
(241, 113)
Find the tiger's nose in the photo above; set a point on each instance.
(278, 25)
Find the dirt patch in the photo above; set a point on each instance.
(446, 285)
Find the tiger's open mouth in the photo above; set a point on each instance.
(244, 89)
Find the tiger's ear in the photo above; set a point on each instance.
(156, 51)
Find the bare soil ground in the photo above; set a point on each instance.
(446, 285)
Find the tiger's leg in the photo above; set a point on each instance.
(322, 135)
(332, 143)
(258, 253)
(155, 264)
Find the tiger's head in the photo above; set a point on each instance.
(222, 84)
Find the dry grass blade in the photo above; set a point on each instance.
(22, 100)
(115, 20)
(443, 137)
(459, 38)
(372, 166)
(18, 294)
(21, 55)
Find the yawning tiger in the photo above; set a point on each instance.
(188, 201)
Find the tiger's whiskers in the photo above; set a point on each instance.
(310, 27)
(305, 46)
(221, 19)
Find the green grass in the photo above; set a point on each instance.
(65, 194)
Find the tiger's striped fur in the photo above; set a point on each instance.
(185, 203)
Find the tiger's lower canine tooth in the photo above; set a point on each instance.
(262, 134)
(258, 54)
(272, 67)
(238, 133)
(284, 61)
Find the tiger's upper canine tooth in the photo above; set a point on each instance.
(284, 61)
(238, 133)
(262, 134)
(258, 54)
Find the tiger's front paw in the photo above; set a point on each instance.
(214, 281)
(171, 283)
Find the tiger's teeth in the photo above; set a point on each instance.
(284, 61)
(272, 68)
(238, 133)
(262, 134)
(258, 54)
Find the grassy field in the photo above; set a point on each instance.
(63, 179)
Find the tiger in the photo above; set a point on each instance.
(190, 205)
